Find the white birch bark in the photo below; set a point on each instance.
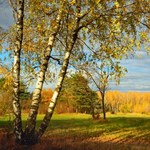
(31, 122)
(16, 71)
(61, 76)
(57, 90)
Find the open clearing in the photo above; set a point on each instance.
(80, 131)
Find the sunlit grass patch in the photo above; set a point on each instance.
(119, 128)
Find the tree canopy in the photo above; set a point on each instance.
(68, 32)
(77, 94)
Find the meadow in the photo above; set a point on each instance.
(80, 131)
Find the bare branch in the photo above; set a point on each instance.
(12, 5)
(56, 59)
(88, 46)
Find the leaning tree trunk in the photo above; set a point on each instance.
(62, 74)
(30, 134)
(31, 121)
(16, 71)
(57, 90)
(30, 127)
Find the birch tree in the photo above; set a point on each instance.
(31, 122)
(19, 13)
(65, 29)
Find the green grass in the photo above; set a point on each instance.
(118, 127)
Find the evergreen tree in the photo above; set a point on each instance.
(77, 94)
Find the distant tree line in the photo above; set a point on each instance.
(128, 102)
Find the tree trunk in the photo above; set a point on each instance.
(31, 136)
(103, 105)
(36, 98)
(61, 77)
(16, 71)
(57, 90)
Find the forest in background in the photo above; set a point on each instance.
(78, 97)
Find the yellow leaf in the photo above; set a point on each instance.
(116, 4)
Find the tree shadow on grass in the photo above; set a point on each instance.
(77, 133)
(78, 124)
(113, 124)
(61, 143)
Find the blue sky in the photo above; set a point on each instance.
(138, 76)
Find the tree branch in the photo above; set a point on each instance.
(56, 59)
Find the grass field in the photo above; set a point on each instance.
(80, 131)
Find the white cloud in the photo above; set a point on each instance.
(6, 15)
(138, 76)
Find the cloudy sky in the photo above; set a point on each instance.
(6, 17)
(138, 76)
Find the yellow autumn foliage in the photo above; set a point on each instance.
(7, 75)
(128, 102)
